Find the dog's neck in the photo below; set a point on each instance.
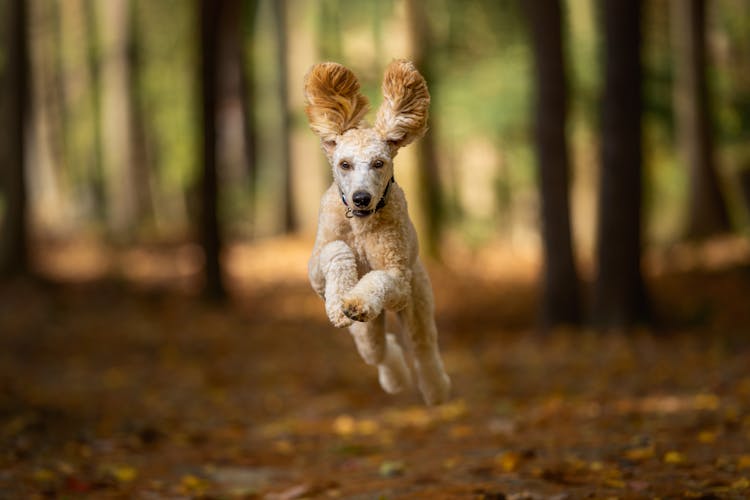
(353, 212)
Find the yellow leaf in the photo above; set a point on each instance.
(596, 466)
(343, 425)
(508, 461)
(367, 427)
(741, 484)
(674, 457)
(640, 454)
(191, 484)
(124, 473)
(614, 483)
(707, 437)
(283, 446)
(453, 410)
(43, 475)
(461, 431)
(743, 462)
(706, 401)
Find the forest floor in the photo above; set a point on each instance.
(134, 388)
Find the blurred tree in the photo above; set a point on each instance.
(619, 292)
(142, 166)
(236, 147)
(14, 108)
(116, 121)
(93, 66)
(210, 17)
(430, 195)
(560, 302)
(247, 97)
(288, 209)
(329, 30)
(707, 211)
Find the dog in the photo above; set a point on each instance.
(365, 258)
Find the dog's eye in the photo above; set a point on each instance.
(345, 165)
(378, 164)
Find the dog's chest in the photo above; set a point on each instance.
(360, 253)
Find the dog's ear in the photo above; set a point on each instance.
(402, 117)
(334, 102)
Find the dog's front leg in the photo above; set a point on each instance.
(377, 290)
(339, 269)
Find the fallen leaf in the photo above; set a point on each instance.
(461, 431)
(707, 437)
(453, 410)
(614, 483)
(741, 484)
(123, 473)
(43, 475)
(640, 454)
(343, 425)
(392, 468)
(743, 462)
(508, 461)
(706, 401)
(192, 484)
(674, 457)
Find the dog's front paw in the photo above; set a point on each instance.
(358, 309)
(336, 316)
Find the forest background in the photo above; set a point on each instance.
(586, 170)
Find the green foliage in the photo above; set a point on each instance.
(168, 82)
(480, 72)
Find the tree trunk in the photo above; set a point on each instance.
(619, 293)
(560, 303)
(14, 251)
(210, 16)
(288, 205)
(247, 98)
(116, 122)
(430, 199)
(93, 66)
(707, 212)
(142, 167)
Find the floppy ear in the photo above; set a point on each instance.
(334, 103)
(402, 117)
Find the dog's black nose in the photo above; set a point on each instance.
(361, 198)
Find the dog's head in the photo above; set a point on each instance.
(362, 156)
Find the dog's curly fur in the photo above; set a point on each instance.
(365, 259)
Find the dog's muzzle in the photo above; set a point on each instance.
(359, 201)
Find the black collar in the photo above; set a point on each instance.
(351, 212)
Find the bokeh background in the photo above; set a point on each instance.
(113, 135)
(587, 170)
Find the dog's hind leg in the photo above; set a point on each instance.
(419, 320)
(383, 350)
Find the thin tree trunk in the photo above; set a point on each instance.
(430, 199)
(97, 174)
(288, 205)
(247, 99)
(14, 247)
(619, 292)
(210, 16)
(141, 164)
(116, 122)
(560, 303)
(707, 212)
